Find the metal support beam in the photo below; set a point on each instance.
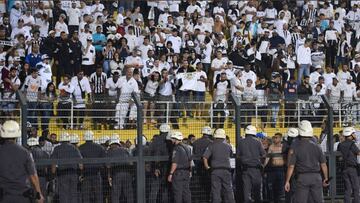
(23, 117)
(140, 190)
(237, 118)
(330, 147)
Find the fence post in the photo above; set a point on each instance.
(236, 103)
(330, 146)
(23, 119)
(167, 112)
(140, 166)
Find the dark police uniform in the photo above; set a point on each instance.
(16, 166)
(201, 176)
(250, 152)
(92, 183)
(219, 154)
(349, 152)
(181, 177)
(67, 177)
(159, 147)
(42, 171)
(307, 157)
(121, 177)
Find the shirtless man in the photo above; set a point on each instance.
(276, 163)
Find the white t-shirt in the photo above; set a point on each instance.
(61, 27)
(127, 87)
(328, 77)
(85, 87)
(151, 87)
(249, 75)
(189, 81)
(200, 86)
(342, 77)
(74, 16)
(270, 13)
(349, 91)
(176, 43)
(112, 86)
(88, 58)
(222, 88)
(335, 90)
(249, 9)
(45, 74)
(32, 86)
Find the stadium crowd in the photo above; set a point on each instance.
(98, 52)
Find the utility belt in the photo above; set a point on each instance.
(30, 193)
(246, 167)
(308, 172)
(220, 168)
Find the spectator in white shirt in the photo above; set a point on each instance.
(200, 91)
(328, 76)
(97, 9)
(175, 40)
(270, 13)
(88, 57)
(343, 75)
(304, 60)
(61, 26)
(74, 15)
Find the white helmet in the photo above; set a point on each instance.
(143, 140)
(64, 137)
(164, 128)
(10, 129)
(206, 130)
(305, 129)
(89, 135)
(114, 141)
(33, 141)
(220, 133)
(111, 37)
(292, 132)
(177, 135)
(74, 139)
(250, 130)
(104, 139)
(114, 136)
(348, 131)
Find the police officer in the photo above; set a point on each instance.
(67, 175)
(160, 146)
(92, 183)
(38, 154)
(306, 158)
(291, 137)
(17, 167)
(119, 175)
(219, 153)
(349, 151)
(201, 176)
(250, 154)
(180, 170)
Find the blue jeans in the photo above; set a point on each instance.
(32, 107)
(304, 70)
(46, 112)
(106, 67)
(274, 113)
(276, 182)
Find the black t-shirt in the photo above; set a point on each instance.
(274, 91)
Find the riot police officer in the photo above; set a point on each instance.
(119, 175)
(306, 158)
(92, 183)
(250, 154)
(349, 151)
(292, 134)
(16, 168)
(180, 170)
(201, 176)
(219, 153)
(67, 175)
(160, 146)
(38, 154)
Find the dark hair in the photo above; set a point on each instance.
(47, 91)
(153, 76)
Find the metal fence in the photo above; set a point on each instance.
(145, 173)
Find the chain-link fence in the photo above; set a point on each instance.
(120, 165)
